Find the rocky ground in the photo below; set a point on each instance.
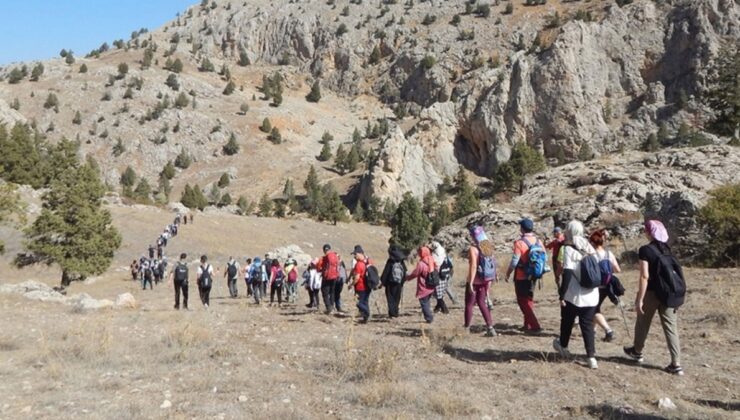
(240, 360)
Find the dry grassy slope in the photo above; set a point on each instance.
(286, 362)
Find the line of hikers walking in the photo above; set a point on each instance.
(583, 269)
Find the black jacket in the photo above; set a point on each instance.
(394, 255)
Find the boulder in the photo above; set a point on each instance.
(125, 300)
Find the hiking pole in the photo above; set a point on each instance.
(624, 317)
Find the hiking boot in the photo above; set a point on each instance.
(490, 332)
(674, 370)
(609, 337)
(592, 364)
(177, 307)
(636, 356)
(563, 351)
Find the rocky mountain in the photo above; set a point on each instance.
(459, 83)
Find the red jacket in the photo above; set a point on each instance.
(329, 266)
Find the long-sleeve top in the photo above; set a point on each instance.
(420, 273)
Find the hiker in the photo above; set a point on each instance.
(151, 251)
(421, 273)
(160, 251)
(661, 288)
(339, 285)
(146, 269)
(179, 277)
(555, 245)
(357, 281)
(134, 270)
(291, 279)
(597, 239)
(481, 273)
(205, 281)
(141, 268)
(185, 219)
(266, 267)
(277, 278)
(231, 274)
(440, 260)
(312, 280)
(524, 282)
(192, 218)
(328, 266)
(576, 300)
(256, 274)
(394, 274)
(245, 273)
(157, 271)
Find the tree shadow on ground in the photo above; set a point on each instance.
(496, 356)
(723, 405)
(608, 411)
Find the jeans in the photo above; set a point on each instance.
(668, 320)
(276, 288)
(426, 309)
(478, 296)
(363, 304)
(264, 288)
(327, 292)
(393, 296)
(256, 292)
(338, 286)
(181, 286)
(585, 316)
(232, 288)
(292, 291)
(525, 299)
(205, 295)
(147, 279)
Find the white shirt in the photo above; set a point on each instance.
(210, 270)
(577, 295)
(314, 279)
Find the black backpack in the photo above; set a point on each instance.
(432, 280)
(446, 269)
(181, 272)
(670, 287)
(372, 278)
(231, 271)
(205, 277)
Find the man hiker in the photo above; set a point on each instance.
(151, 251)
(205, 280)
(232, 274)
(246, 273)
(358, 281)
(555, 245)
(146, 268)
(256, 274)
(524, 284)
(179, 277)
(328, 266)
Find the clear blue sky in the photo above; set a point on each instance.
(39, 29)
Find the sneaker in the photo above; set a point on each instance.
(206, 305)
(674, 370)
(490, 332)
(177, 307)
(609, 337)
(636, 356)
(592, 364)
(563, 351)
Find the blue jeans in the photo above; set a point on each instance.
(426, 309)
(363, 304)
(338, 286)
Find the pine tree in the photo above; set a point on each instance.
(177, 66)
(524, 161)
(182, 101)
(169, 170)
(225, 200)
(466, 202)
(243, 58)
(356, 136)
(375, 56)
(313, 191)
(288, 189)
(275, 136)
(340, 160)
(230, 87)
(224, 180)
(266, 126)
(585, 153)
(243, 205)
(265, 206)
(315, 94)
(651, 144)
(353, 158)
(441, 217)
(143, 191)
(332, 207)
(164, 188)
(200, 199)
(172, 82)
(183, 160)
(214, 196)
(12, 208)
(128, 178)
(409, 227)
(326, 138)
(188, 198)
(73, 230)
(280, 210)
(231, 147)
(37, 71)
(325, 154)
(723, 93)
(77, 120)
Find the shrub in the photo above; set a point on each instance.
(325, 154)
(524, 160)
(428, 62)
(509, 9)
(229, 89)
(409, 226)
(122, 70)
(275, 136)
(315, 94)
(51, 101)
(37, 71)
(183, 160)
(244, 108)
(266, 126)
(172, 82)
(77, 120)
(721, 218)
(182, 101)
(231, 147)
(341, 30)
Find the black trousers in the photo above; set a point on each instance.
(441, 306)
(232, 288)
(585, 316)
(393, 296)
(327, 292)
(205, 295)
(275, 288)
(181, 286)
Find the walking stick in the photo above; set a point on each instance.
(624, 317)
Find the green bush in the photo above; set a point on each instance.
(721, 218)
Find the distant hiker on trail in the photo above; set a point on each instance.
(245, 273)
(424, 270)
(662, 288)
(445, 276)
(256, 274)
(525, 275)
(329, 268)
(339, 285)
(266, 267)
(576, 300)
(312, 280)
(205, 281)
(394, 274)
(185, 219)
(231, 274)
(291, 279)
(481, 273)
(277, 278)
(555, 244)
(134, 270)
(157, 270)
(151, 251)
(179, 278)
(357, 280)
(598, 239)
(148, 275)
(160, 251)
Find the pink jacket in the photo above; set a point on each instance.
(420, 273)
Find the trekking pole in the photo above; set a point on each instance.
(624, 317)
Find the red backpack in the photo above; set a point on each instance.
(331, 266)
(293, 275)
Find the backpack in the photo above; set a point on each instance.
(293, 275)
(398, 274)
(487, 267)
(670, 287)
(205, 277)
(231, 271)
(279, 277)
(372, 278)
(331, 269)
(432, 280)
(256, 273)
(605, 266)
(590, 270)
(537, 262)
(446, 269)
(181, 273)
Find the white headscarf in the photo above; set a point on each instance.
(438, 253)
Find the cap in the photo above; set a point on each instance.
(527, 225)
(358, 250)
(557, 230)
(327, 247)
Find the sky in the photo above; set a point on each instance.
(39, 29)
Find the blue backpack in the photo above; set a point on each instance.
(486, 267)
(536, 266)
(605, 267)
(590, 269)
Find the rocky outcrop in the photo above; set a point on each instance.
(8, 115)
(82, 302)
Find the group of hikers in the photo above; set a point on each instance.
(583, 268)
(151, 267)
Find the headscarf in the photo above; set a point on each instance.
(480, 239)
(574, 235)
(426, 256)
(657, 230)
(395, 253)
(438, 253)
